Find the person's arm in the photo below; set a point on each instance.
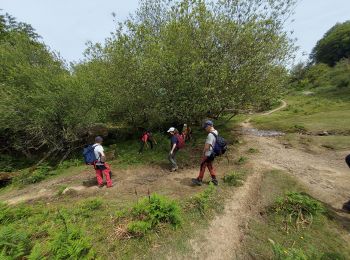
(173, 148)
(206, 148)
(102, 154)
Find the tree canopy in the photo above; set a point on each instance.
(334, 46)
(169, 63)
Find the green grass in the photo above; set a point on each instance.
(90, 226)
(323, 235)
(325, 111)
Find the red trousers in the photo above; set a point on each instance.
(207, 162)
(106, 172)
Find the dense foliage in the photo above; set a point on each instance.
(171, 62)
(334, 46)
(322, 75)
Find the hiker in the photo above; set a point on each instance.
(146, 138)
(100, 165)
(187, 133)
(347, 159)
(208, 154)
(176, 142)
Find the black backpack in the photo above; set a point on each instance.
(220, 146)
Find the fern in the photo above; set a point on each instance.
(13, 243)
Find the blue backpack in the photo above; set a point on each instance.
(89, 155)
(220, 146)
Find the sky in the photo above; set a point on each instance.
(66, 25)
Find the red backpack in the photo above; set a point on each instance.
(181, 141)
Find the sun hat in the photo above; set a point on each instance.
(171, 129)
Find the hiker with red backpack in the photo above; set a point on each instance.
(215, 145)
(94, 155)
(176, 142)
(146, 138)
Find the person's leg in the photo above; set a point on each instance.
(151, 143)
(142, 144)
(107, 175)
(347, 159)
(212, 172)
(202, 168)
(172, 159)
(99, 177)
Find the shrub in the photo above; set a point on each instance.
(157, 209)
(14, 244)
(203, 200)
(139, 228)
(234, 179)
(30, 176)
(298, 208)
(71, 243)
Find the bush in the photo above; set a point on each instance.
(71, 243)
(234, 179)
(203, 200)
(156, 209)
(14, 244)
(298, 208)
(30, 176)
(139, 228)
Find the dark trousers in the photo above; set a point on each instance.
(142, 145)
(347, 159)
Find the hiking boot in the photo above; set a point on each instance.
(174, 169)
(215, 182)
(100, 186)
(197, 182)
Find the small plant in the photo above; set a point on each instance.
(68, 163)
(139, 228)
(10, 214)
(150, 212)
(92, 204)
(203, 199)
(30, 176)
(282, 253)
(67, 242)
(234, 179)
(241, 160)
(14, 244)
(300, 128)
(298, 208)
(61, 189)
(252, 150)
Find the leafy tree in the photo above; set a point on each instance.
(334, 46)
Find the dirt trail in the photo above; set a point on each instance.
(325, 175)
(223, 238)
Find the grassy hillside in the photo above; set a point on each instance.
(322, 116)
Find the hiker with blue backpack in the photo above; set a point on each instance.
(215, 145)
(94, 155)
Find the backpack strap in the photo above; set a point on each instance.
(216, 138)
